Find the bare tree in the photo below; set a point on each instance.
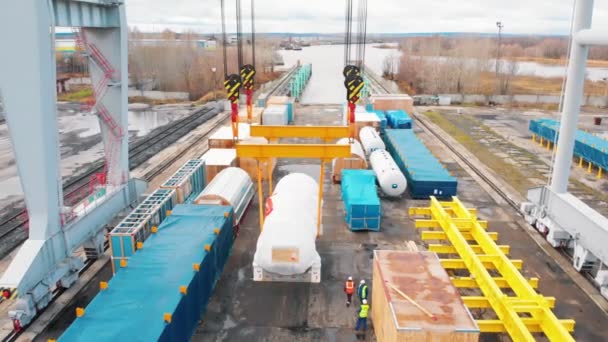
(509, 71)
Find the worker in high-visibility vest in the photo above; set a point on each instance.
(349, 289)
(362, 316)
(362, 291)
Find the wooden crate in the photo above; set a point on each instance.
(256, 115)
(277, 100)
(250, 166)
(217, 159)
(420, 276)
(222, 138)
(393, 101)
(339, 164)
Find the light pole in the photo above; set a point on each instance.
(500, 26)
(497, 62)
(213, 70)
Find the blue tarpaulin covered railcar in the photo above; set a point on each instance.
(361, 202)
(426, 176)
(591, 148)
(398, 119)
(145, 301)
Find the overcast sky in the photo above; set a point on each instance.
(384, 16)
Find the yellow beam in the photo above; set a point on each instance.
(418, 211)
(323, 151)
(322, 132)
(476, 302)
(488, 264)
(496, 326)
(468, 282)
(446, 249)
(463, 224)
(507, 309)
(438, 235)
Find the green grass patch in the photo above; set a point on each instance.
(75, 96)
(507, 171)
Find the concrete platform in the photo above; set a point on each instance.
(243, 309)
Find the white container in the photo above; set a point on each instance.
(391, 179)
(275, 115)
(445, 100)
(370, 139)
(286, 246)
(232, 186)
(219, 156)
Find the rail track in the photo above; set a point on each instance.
(13, 226)
(14, 335)
(495, 187)
(454, 150)
(282, 86)
(139, 152)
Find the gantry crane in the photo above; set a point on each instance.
(46, 260)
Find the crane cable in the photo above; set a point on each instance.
(224, 39)
(253, 33)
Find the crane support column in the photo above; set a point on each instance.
(575, 84)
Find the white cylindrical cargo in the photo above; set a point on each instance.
(391, 179)
(370, 139)
(356, 149)
(231, 186)
(286, 245)
(355, 161)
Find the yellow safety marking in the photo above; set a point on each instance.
(14, 294)
(471, 283)
(323, 151)
(491, 256)
(446, 249)
(322, 132)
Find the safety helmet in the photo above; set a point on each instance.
(364, 301)
(362, 281)
(350, 278)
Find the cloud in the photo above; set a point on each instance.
(384, 16)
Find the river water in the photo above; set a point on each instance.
(326, 83)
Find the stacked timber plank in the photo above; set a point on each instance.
(393, 101)
(217, 159)
(420, 276)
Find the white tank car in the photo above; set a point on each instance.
(232, 186)
(391, 179)
(286, 246)
(355, 161)
(370, 140)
